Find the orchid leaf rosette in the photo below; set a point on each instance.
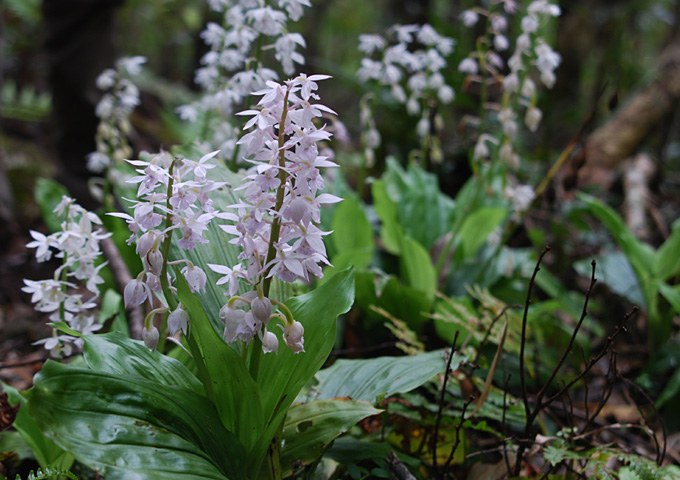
(276, 222)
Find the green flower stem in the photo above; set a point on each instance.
(286, 311)
(195, 349)
(169, 297)
(276, 225)
(273, 468)
(167, 293)
(256, 344)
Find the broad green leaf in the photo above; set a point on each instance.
(46, 452)
(282, 376)
(235, 394)
(640, 255)
(476, 228)
(391, 231)
(351, 228)
(310, 428)
(417, 269)
(667, 261)
(130, 427)
(118, 355)
(375, 378)
(424, 213)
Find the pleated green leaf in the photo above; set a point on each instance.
(118, 355)
(373, 379)
(129, 427)
(311, 427)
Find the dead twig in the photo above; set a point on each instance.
(397, 467)
(441, 402)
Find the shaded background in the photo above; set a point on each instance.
(612, 53)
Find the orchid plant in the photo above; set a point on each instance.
(216, 388)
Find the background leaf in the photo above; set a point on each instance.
(476, 228)
(383, 376)
(391, 230)
(417, 269)
(423, 211)
(311, 427)
(640, 255)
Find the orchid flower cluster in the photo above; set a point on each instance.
(232, 68)
(277, 220)
(484, 66)
(173, 199)
(77, 245)
(412, 69)
(113, 110)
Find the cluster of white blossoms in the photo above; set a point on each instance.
(519, 197)
(276, 223)
(232, 68)
(409, 61)
(172, 200)
(77, 245)
(520, 91)
(113, 110)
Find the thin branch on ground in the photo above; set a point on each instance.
(441, 402)
(397, 467)
(660, 451)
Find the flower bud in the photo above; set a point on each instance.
(261, 309)
(269, 342)
(533, 118)
(293, 336)
(232, 319)
(135, 293)
(298, 210)
(178, 320)
(151, 337)
(154, 261)
(195, 277)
